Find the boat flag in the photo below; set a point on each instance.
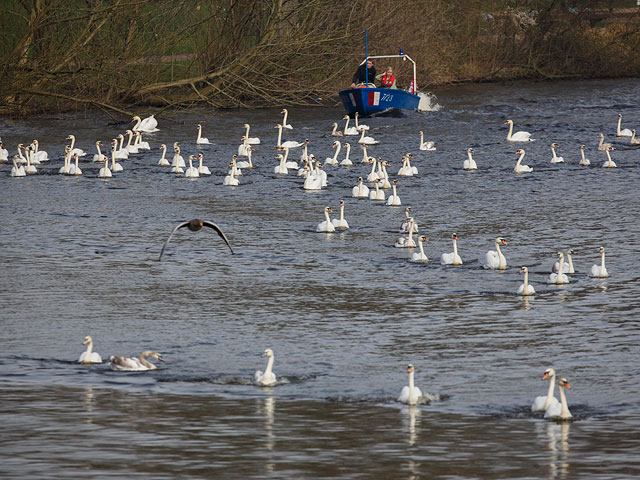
(412, 88)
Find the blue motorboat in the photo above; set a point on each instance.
(368, 100)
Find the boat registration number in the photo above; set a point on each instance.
(386, 97)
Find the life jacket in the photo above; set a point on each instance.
(387, 81)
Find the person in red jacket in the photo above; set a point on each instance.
(386, 79)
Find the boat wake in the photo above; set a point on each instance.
(428, 103)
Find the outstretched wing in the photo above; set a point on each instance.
(181, 225)
(218, 230)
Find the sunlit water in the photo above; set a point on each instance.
(344, 312)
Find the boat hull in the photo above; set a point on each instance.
(369, 101)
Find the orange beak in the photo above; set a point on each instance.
(545, 376)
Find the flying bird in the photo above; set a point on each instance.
(195, 225)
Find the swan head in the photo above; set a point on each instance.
(410, 368)
(583, 147)
(328, 209)
(99, 143)
(336, 143)
(554, 145)
(395, 182)
(71, 137)
(199, 127)
(560, 254)
(284, 110)
(200, 155)
(163, 147)
(454, 236)
(510, 122)
(611, 148)
(469, 150)
(346, 145)
(346, 117)
(149, 353)
(601, 135)
(423, 239)
(525, 270)
(501, 240)
(520, 151)
(549, 372)
(601, 249)
(278, 126)
(267, 353)
(342, 203)
(619, 115)
(87, 339)
(35, 142)
(136, 118)
(562, 382)
(570, 251)
(359, 179)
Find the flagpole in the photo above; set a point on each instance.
(366, 57)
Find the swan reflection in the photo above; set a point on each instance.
(267, 408)
(413, 415)
(557, 435)
(89, 401)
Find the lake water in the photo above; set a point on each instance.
(344, 312)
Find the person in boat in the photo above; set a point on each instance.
(361, 73)
(387, 79)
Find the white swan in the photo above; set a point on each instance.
(373, 175)
(335, 132)
(405, 170)
(555, 158)
(64, 170)
(281, 168)
(340, 223)
(420, 256)
(246, 163)
(384, 175)
(360, 190)
(622, 133)
(89, 356)
(75, 169)
(426, 145)
(133, 364)
(99, 157)
(525, 288)
(452, 258)
(609, 163)
(365, 155)
(140, 145)
(290, 164)
(410, 394)
(600, 271)
(347, 129)
(394, 199)
(404, 226)
(4, 153)
(360, 126)
(248, 139)
(377, 194)
(559, 411)
(284, 124)
(469, 163)
(408, 241)
(346, 162)
(334, 160)
(518, 136)
(567, 266)
(192, 172)
(79, 151)
(519, 168)
(603, 146)
(584, 160)
(201, 140)
(30, 169)
(327, 225)
(313, 180)
(105, 172)
(288, 143)
(121, 152)
(202, 169)
(494, 259)
(147, 125)
(231, 179)
(21, 159)
(178, 161)
(633, 140)
(266, 378)
(559, 278)
(163, 162)
(38, 155)
(115, 166)
(17, 170)
(367, 140)
(131, 148)
(542, 402)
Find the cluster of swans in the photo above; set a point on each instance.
(561, 270)
(549, 404)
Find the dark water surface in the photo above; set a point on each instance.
(344, 312)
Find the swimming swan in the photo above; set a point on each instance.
(633, 140)
(525, 288)
(559, 278)
(410, 394)
(584, 160)
(335, 132)
(192, 172)
(360, 190)
(519, 168)
(452, 258)
(408, 241)
(600, 271)
(426, 145)
(327, 225)
(470, 163)
(420, 256)
(542, 402)
(404, 226)
(567, 266)
(494, 258)
(334, 160)
(266, 378)
(288, 143)
(622, 133)
(518, 136)
(609, 163)
(555, 158)
(602, 146)
(340, 223)
(132, 364)
(349, 130)
(394, 199)
(201, 140)
(559, 411)
(147, 125)
(284, 123)
(89, 356)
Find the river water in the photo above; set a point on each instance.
(344, 312)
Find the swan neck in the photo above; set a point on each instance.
(552, 386)
(526, 284)
(602, 259)
(89, 349)
(145, 362)
(341, 212)
(269, 368)
(279, 137)
(564, 413)
(510, 130)
(455, 248)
